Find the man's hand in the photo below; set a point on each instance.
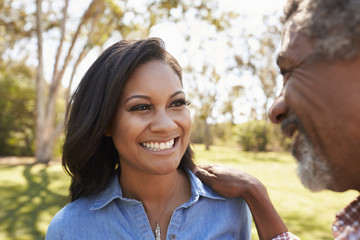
(228, 182)
(231, 182)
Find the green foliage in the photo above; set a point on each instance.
(12, 22)
(259, 135)
(197, 132)
(277, 140)
(220, 134)
(223, 134)
(253, 136)
(17, 104)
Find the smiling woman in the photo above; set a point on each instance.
(150, 130)
(127, 151)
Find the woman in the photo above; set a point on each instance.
(127, 152)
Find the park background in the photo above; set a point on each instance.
(227, 50)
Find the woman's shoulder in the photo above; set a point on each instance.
(69, 215)
(75, 208)
(83, 214)
(202, 190)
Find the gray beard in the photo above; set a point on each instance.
(314, 171)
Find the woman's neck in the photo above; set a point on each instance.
(160, 195)
(148, 188)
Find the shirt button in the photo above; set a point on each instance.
(172, 236)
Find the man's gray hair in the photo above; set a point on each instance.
(333, 24)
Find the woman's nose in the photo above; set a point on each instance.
(278, 110)
(162, 120)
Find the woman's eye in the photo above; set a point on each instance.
(140, 107)
(179, 103)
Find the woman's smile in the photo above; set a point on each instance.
(158, 146)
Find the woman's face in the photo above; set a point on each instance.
(151, 127)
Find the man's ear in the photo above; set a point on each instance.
(107, 131)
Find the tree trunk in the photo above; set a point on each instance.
(206, 135)
(40, 87)
(44, 150)
(46, 130)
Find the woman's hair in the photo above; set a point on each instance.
(334, 25)
(90, 157)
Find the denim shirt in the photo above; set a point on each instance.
(108, 215)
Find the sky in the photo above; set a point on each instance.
(253, 12)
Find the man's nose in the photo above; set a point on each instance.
(278, 110)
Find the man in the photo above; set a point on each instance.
(319, 106)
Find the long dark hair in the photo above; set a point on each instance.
(90, 157)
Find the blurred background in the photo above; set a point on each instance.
(227, 50)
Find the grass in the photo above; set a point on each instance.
(306, 214)
(31, 195)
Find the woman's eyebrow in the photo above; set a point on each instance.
(137, 96)
(148, 98)
(176, 93)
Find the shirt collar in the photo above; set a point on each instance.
(199, 189)
(113, 191)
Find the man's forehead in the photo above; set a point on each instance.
(295, 46)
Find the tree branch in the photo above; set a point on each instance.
(62, 37)
(93, 10)
(40, 98)
(81, 56)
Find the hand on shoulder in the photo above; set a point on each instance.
(229, 182)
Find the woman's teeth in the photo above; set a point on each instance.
(159, 146)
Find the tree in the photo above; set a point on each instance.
(206, 67)
(261, 62)
(17, 104)
(47, 130)
(98, 25)
(75, 37)
(228, 108)
(206, 91)
(12, 26)
(251, 136)
(94, 28)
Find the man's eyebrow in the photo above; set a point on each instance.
(284, 63)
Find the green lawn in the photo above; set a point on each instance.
(31, 195)
(308, 215)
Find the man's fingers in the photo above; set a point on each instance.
(204, 175)
(208, 167)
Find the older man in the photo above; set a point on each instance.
(319, 106)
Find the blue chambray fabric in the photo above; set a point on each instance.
(108, 215)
